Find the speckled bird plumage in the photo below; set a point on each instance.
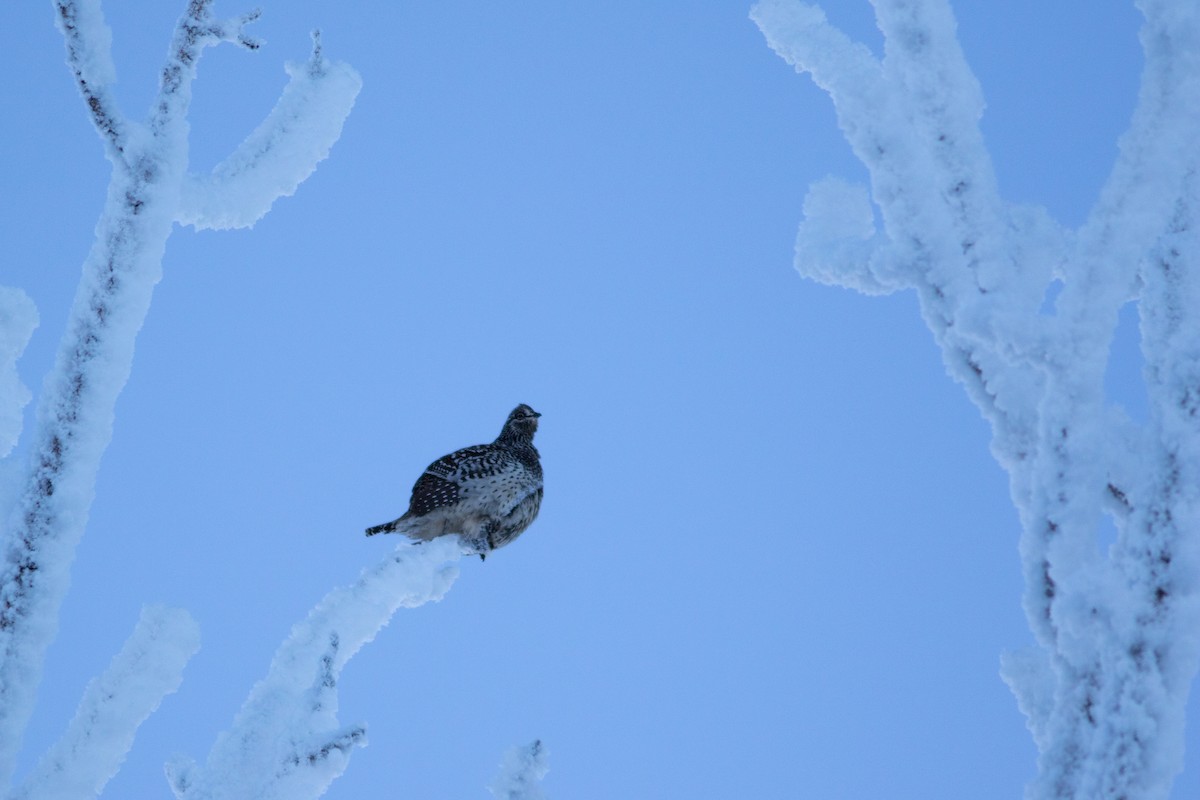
(487, 494)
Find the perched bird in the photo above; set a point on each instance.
(487, 494)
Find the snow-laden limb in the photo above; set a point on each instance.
(1101, 272)
(1157, 555)
(946, 229)
(149, 667)
(1117, 635)
(286, 742)
(281, 153)
(89, 55)
(94, 359)
(1123, 630)
(838, 243)
(802, 36)
(18, 318)
(521, 773)
(75, 409)
(1030, 676)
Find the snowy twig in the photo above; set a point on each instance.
(521, 773)
(286, 742)
(196, 30)
(149, 667)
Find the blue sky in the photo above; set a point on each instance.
(775, 558)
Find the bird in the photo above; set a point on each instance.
(486, 494)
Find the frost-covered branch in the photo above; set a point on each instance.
(521, 773)
(76, 406)
(149, 667)
(286, 742)
(1139, 198)
(77, 401)
(89, 56)
(281, 153)
(18, 318)
(945, 228)
(1117, 637)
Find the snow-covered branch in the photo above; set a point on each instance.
(1104, 690)
(281, 153)
(149, 667)
(89, 55)
(521, 773)
(1139, 198)
(838, 243)
(18, 318)
(75, 409)
(286, 742)
(77, 401)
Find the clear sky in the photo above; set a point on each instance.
(775, 558)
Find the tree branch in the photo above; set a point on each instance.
(19, 317)
(285, 741)
(281, 152)
(89, 55)
(95, 353)
(149, 667)
(521, 773)
(936, 193)
(838, 244)
(1104, 693)
(196, 30)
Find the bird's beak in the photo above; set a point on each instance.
(536, 415)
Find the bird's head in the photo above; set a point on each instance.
(521, 423)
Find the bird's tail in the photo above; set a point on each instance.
(387, 527)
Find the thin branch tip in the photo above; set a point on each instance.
(244, 39)
(341, 742)
(233, 30)
(316, 61)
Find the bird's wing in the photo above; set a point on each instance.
(431, 492)
(470, 463)
(439, 485)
